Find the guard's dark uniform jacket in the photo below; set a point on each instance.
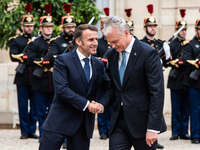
(103, 46)
(36, 48)
(58, 45)
(17, 45)
(176, 49)
(157, 44)
(190, 52)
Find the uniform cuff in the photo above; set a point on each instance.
(155, 131)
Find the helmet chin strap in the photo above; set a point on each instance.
(198, 34)
(148, 32)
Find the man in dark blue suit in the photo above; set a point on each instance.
(137, 88)
(78, 76)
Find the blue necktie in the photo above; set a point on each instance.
(87, 69)
(122, 67)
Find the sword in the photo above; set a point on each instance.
(175, 34)
(91, 20)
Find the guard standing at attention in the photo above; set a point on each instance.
(191, 55)
(179, 93)
(150, 30)
(42, 82)
(18, 53)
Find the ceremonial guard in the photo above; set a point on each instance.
(102, 50)
(42, 82)
(129, 21)
(64, 42)
(191, 55)
(179, 94)
(150, 30)
(18, 53)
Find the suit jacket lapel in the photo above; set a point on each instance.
(132, 61)
(80, 68)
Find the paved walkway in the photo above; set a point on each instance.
(9, 140)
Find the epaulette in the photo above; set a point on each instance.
(54, 38)
(186, 42)
(13, 37)
(32, 40)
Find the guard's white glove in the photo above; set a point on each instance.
(167, 50)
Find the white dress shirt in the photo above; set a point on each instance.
(127, 54)
(81, 57)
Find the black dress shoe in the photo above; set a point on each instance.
(195, 140)
(185, 137)
(103, 136)
(174, 137)
(64, 146)
(159, 146)
(33, 135)
(24, 136)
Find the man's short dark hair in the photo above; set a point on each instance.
(79, 30)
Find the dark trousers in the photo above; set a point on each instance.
(53, 141)
(43, 103)
(28, 117)
(104, 119)
(195, 113)
(121, 139)
(180, 100)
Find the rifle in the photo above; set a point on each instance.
(174, 71)
(195, 73)
(21, 67)
(73, 48)
(161, 51)
(38, 72)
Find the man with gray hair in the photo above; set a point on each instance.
(137, 89)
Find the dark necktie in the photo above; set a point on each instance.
(122, 67)
(87, 69)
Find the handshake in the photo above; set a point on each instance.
(95, 107)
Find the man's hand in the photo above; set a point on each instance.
(95, 107)
(151, 137)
